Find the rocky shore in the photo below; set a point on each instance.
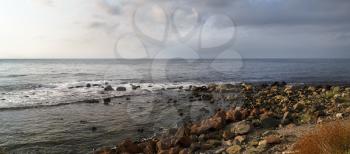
(269, 118)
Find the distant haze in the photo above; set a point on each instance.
(91, 28)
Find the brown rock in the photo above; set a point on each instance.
(235, 149)
(127, 146)
(272, 139)
(104, 151)
(149, 147)
(215, 122)
(239, 139)
(233, 115)
(174, 150)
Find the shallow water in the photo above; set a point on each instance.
(68, 128)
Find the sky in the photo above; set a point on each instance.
(174, 29)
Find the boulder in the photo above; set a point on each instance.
(109, 88)
(88, 85)
(121, 89)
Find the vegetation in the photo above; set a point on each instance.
(330, 138)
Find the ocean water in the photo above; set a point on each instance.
(42, 107)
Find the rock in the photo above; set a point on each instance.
(185, 151)
(225, 88)
(121, 89)
(105, 150)
(174, 150)
(109, 88)
(106, 101)
(235, 149)
(242, 128)
(220, 151)
(164, 143)
(233, 115)
(239, 139)
(298, 106)
(134, 87)
(286, 118)
(93, 129)
(214, 143)
(339, 115)
(272, 139)
(88, 85)
(227, 134)
(269, 122)
(148, 147)
(206, 97)
(215, 122)
(127, 146)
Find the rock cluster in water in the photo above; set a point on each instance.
(248, 127)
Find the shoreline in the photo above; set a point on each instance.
(251, 126)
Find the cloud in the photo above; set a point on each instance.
(105, 26)
(49, 3)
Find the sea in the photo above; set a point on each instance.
(58, 105)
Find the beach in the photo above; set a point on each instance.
(270, 119)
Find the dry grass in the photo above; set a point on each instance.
(330, 138)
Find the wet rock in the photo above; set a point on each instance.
(225, 88)
(105, 150)
(109, 88)
(206, 97)
(83, 121)
(127, 146)
(91, 101)
(235, 149)
(199, 89)
(106, 101)
(121, 89)
(134, 87)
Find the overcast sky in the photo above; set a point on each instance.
(136, 28)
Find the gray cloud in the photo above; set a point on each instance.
(273, 28)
